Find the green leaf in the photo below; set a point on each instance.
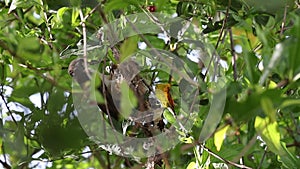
(289, 102)
(129, 47)
(25, 88)
(252, 71)
(289, 160)
(56, 101)
(75, 3)
(169, 116)
(230, 151)
(250, 106)
(268, 108)
(29, 49)
(214, 116)
(118, 4)
(94, 84)
(22, 4)
(3, 72)
(25, 101)
(273, 7)
(15, 145)
(292, 49)
(128, 100)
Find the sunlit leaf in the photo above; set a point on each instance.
(75, 14)
(191, 165)
(270, 134)
(219, 137)
(61, 12)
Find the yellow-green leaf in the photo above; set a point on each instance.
(192, 165)
(75, 14)
(169, 116)
(220, 136)
(269, 133)
(271, 136)
(61, 12)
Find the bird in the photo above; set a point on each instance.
(147, 122)
(163, 93)
(128, 72)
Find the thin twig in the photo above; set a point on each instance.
(222, 159)
(188, 146)
(4, 163)
(7, 107)
(48, 27)
(90, 13)
(25, 64)
(99, 157)
(110, 34)
(84, 44)
(262, 158)
(108, 160)
(223, 25)
(248, 40)
(233, 54)
(158, 23)
(294, 144)
(219, 39)
(190, 1)
(104, 95)
(284, 20)
(157, 53)
(297, 4)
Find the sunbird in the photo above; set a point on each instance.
(163, 93)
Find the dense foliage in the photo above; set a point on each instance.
(258, 43)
